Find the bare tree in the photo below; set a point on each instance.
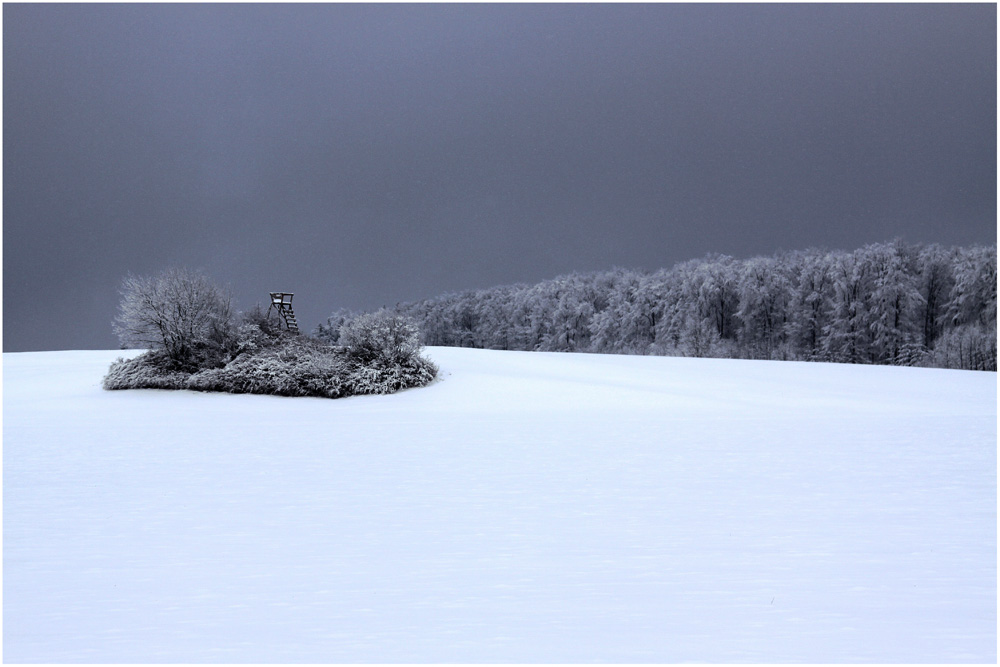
(180, 312)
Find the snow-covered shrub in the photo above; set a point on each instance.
(389, 378)
(257, 332)
(910, 354)
(181, 313)
(152, 370)
(298, 366)
(381, 356)
(382, 337)
(289, 367)
(261, 319)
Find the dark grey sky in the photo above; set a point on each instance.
(361, 155)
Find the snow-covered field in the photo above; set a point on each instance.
(527, 507)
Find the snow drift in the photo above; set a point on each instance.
(534, 507)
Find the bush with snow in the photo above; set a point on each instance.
(284, 366)
(152, 370)
(382, 337)
(387, 378)
(381, 355)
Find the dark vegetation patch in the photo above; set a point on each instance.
(281, 364)
(196, 343)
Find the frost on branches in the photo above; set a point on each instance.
(196, 343)
(179, 313)
(885, 303)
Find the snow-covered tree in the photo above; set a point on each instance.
(935, 280)
(538, 303)
(974, 294)
(495, 318)
(463, 318)
(572, 314)
(893, 302)
(622, 325)
(810, 300)
(970, 342)
(181, 312)
(717, 297)
(764, 291)
(330, 331)
(846, 338)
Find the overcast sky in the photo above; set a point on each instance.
(363, 155)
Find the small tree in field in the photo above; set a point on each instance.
(179, 312)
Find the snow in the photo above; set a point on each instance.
(538, 507)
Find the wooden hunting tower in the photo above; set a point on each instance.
(282, 302)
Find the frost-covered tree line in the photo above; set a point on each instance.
(885, 303)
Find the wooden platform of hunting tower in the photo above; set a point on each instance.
(282, 302)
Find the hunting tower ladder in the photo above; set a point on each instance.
(282, 302)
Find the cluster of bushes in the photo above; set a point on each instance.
(195, 342)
